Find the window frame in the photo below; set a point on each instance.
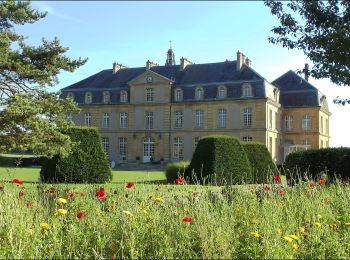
(178, 148)
(123, 96)
(149, 94)
(247, 117)
(123, 120)
(247, 90)
(105, 120)
(197, 95)
(199, 118)
(104, 95)
(222, 92)
(88, 100)
(149, 120)
(178, 115)
(178, 94)
(123, 147)
(105, 144)
(87, 119)
(306, 122)
(221, 118)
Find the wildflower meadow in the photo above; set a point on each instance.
(135, 220)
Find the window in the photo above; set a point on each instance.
(288, 122)
(149, 95)
(88, 98)
(105, 144)
(199, 95)
(178, 119)
(70, 95)
(198, 118)
(270, 119)
(195, 141)
(105, 120)
(247, 138)
(123, 96)
(178, 151)
(221, 118)
(306, 122)
(307, 143)
(69, 117)
(123, 143)
(221, 92)
(247, 90)
(123, 120)
(149, 120)
(106, 97)
(247, 117)
(178, 94)
(321, 124)
(88, 119)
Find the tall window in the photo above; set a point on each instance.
(306, 122)
(105, 144)
(247, 117)
(88, 97)
(321, 124)
(307, 143)
(221, 118)
(247, 138)
(178, 94)
(106, 97)
(178, 119)
(149, 120)
(198, 118)
(195, 141)
(88, 119)
(247, 90)
(123, 96)
(123, 143)
(199, 93)
(270, 119)
(149, 95)
(123, 120)
(221, 92)
(105, 120)
(178, 150)
(288, 122)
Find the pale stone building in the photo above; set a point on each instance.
(160, 112)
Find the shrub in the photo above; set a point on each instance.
(261, 162)
(87, 162)
(335, 162)
(219, 159)
(176, 169)
(18, 161)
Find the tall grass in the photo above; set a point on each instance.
(146, 221)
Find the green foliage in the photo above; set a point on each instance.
(87, 163)
(175, 170)
(219, 159)
(322, 34)
(261, 162)
(335, 162)
(19, 161)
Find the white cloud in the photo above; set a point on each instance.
(45, 7)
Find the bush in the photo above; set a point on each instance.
(175, 170)
(87, 162)
(263, 167)
(335, 162)
(18, 161)
(220, 160)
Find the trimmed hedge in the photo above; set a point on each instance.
(263, 167)
(175, 170)
(7, 161)
(335, 162)
(87, 162)
(219, 160)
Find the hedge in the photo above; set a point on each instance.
(335, 162)
(87, 162)
(219, 160)
(10, 161)
(175, 170)
(262, 165)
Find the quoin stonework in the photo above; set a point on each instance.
(159, 113)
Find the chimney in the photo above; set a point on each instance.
(117, 67)
(242, 60)
(248, 62)
(306, 72)
(150, 64)
(183, 63)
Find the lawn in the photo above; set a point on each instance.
(32, 175)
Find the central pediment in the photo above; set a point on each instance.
(149, 77)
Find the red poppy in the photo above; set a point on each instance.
(21, 194)
(277, 178)
(17, 181)
(51, 190)
(70, 195)
(322, 182)
(281, 192)
(130, 185)
(81, 214)
(29, 204)
(101, 194)
(267, 188)
(187, 219)
(180, 180)
(312, 185)
(82, 194)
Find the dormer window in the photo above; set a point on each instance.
(70, 95)
(123, 96)
(178, 94)
(247, 90)
(222, 92)
(88, 97)
(106, 97)
(199, 93)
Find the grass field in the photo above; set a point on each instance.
(32, 175)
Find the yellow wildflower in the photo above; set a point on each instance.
(44, 226)
(128, 213)
(279, 231)
(30, 231)
(295, 246)
(254, 234)
(62, 211)
(294, 237)
(289, 239)
(347, 223)
(62, 201)
(301, 230)
(318, 224)
(145, 212)
(157, 199)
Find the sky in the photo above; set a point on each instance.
(131, 33)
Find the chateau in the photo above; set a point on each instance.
(158, 113)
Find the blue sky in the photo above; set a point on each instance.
(133, 32)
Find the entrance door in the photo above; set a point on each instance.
(148, 149)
